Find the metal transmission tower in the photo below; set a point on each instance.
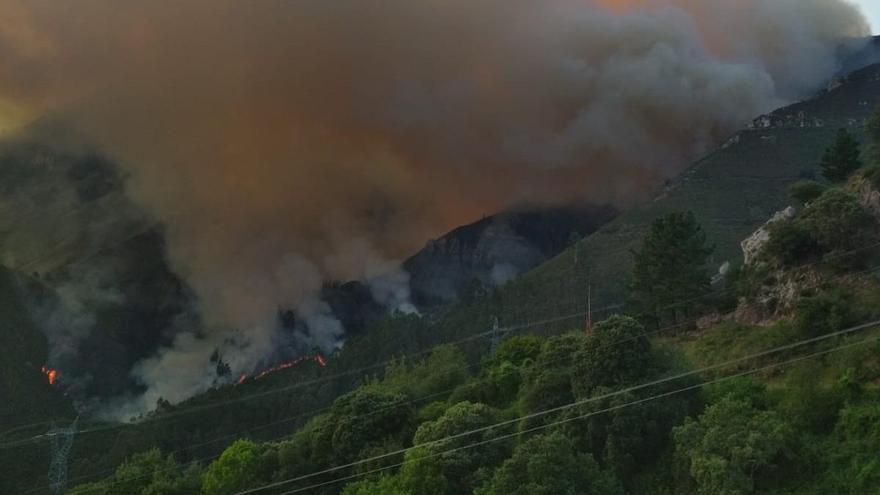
(589, 327)
(61, 441)
(494, 337)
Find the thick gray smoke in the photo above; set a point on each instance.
(283, 143)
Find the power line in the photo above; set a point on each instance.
(375, 366)
(409, 401)
(631, 389)
(493, 332)
(430, 396)
(576, 418)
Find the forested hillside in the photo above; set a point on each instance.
(731, 191)
(764, 380)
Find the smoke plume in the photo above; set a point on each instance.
(285, 143)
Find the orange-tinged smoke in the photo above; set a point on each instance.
(284, 143)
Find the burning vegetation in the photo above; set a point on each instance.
(51, 374)
(318, 358)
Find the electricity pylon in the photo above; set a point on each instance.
(61, 441)
(494, 337)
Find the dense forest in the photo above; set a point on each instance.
(762, 379)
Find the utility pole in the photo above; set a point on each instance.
(589, 308)
(61, 442)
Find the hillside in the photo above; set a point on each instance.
(732, 191)
(101, 282)
(496, 249)
(788, 406)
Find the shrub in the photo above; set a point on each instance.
(824, 313)
(805, 191)
(791, 244)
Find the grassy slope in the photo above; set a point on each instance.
(732, 191)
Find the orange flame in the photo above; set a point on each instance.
(321, 360)
(51, 374)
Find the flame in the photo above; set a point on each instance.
(318, 358)
(51, 374)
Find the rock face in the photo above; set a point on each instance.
(777, 296)
(754, 244)
(492, 251)
(869, 196)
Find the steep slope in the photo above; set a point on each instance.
(731, 191)
(105, 287)
(496, 249)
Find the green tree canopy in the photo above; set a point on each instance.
(444, 368)
(147, 473)
(366, 419)
(836, 220)
(805, 191)
(842, 158)
(855, 465)
(547, 384)
(434, 469)
(732, 447)
(670, 266)
(550, 465)
(238, 468)
(616, 354)
(385, 485)
(620, 431)
(832, 224)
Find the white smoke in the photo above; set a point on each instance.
(272, 138)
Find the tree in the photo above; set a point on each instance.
(855, 466)
(517, 350)
(622, 434)
(550, 465)
(445, 368)
(805, 191)
(616, 354)
(670, 267)
(837, 221)
(823, 313)
(830, 225)
(547, 383)
(732, 448)
(842, 158)
(239, 467)
(367, 419)
(384, 485)
(433, 467)
(147, 473)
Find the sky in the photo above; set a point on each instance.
(872, 10)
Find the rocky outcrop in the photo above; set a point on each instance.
(492, 251)
(754, 244)
(777, 296)
(868, 195)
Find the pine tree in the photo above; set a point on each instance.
(670, 267)
(842, 158)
